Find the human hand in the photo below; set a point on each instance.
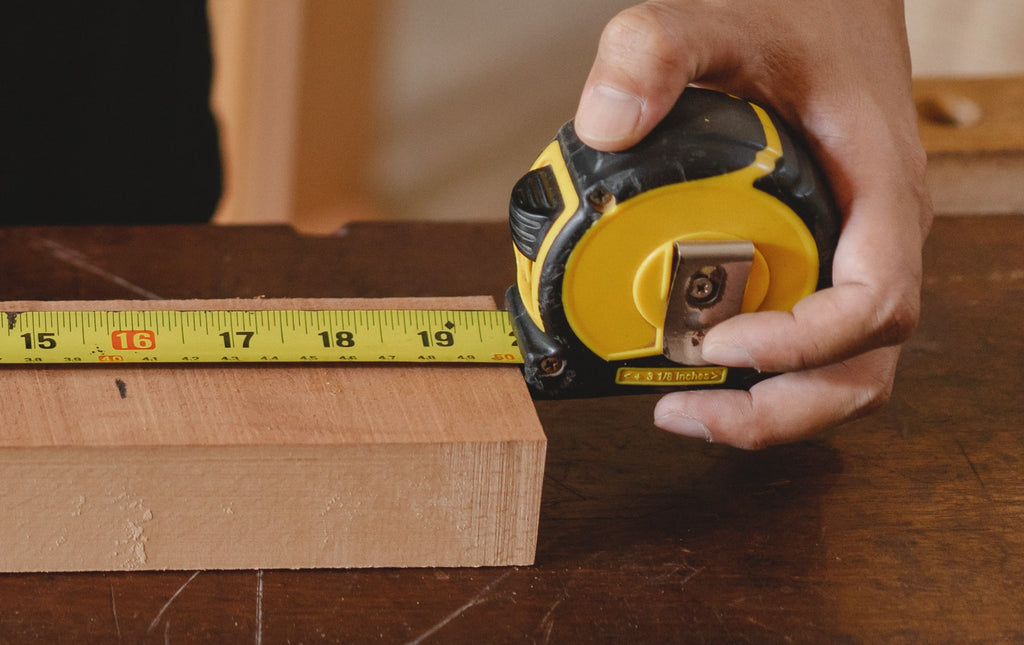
(838, 71)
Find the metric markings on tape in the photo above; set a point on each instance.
(254, 336)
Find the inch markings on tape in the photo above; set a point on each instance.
(255, 336)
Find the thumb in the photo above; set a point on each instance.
(646, 56)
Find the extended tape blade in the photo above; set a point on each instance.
(257, 336)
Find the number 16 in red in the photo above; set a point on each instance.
(133, 339)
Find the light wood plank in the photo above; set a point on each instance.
(267, 466)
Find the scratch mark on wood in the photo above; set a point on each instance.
(564, 486)
(80, 262)
(693, 574)
(1012, 275)
(122, 388)
(113, 610)
(472, 602)
(687, 571)
(259, 606)
(170, 601)
(547, 623)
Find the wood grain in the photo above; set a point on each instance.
(136, 467)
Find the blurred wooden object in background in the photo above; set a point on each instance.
(294, 89)
(402, 109)
(974, 135)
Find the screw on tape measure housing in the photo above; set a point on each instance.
(255, 336)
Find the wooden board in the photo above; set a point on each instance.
(306, 466)
(974, 167)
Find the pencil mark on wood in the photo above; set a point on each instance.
(12, 319)
(170, 601)
(479, 598)
(122, 388)
(79, 261)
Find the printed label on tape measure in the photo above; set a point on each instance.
(155, 336)
(671, 375)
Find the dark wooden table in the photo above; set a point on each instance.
(907, 526)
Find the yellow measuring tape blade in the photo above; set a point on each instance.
(274, 336)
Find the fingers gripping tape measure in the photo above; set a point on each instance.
(625, 259)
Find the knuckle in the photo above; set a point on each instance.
(915, 166)
(876, 384)
(899, 320)
(756, 437)
(873, 397)
(917, 162)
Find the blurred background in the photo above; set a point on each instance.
(409, 109)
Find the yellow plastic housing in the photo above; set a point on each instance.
(618, 276)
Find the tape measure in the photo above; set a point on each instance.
(623, 261)
(272, 336)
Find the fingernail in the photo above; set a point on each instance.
(726, 354)
(683, 424)
(608, 115)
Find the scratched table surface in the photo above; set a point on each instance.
(906, 526)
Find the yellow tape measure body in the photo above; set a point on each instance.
(255, 336)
